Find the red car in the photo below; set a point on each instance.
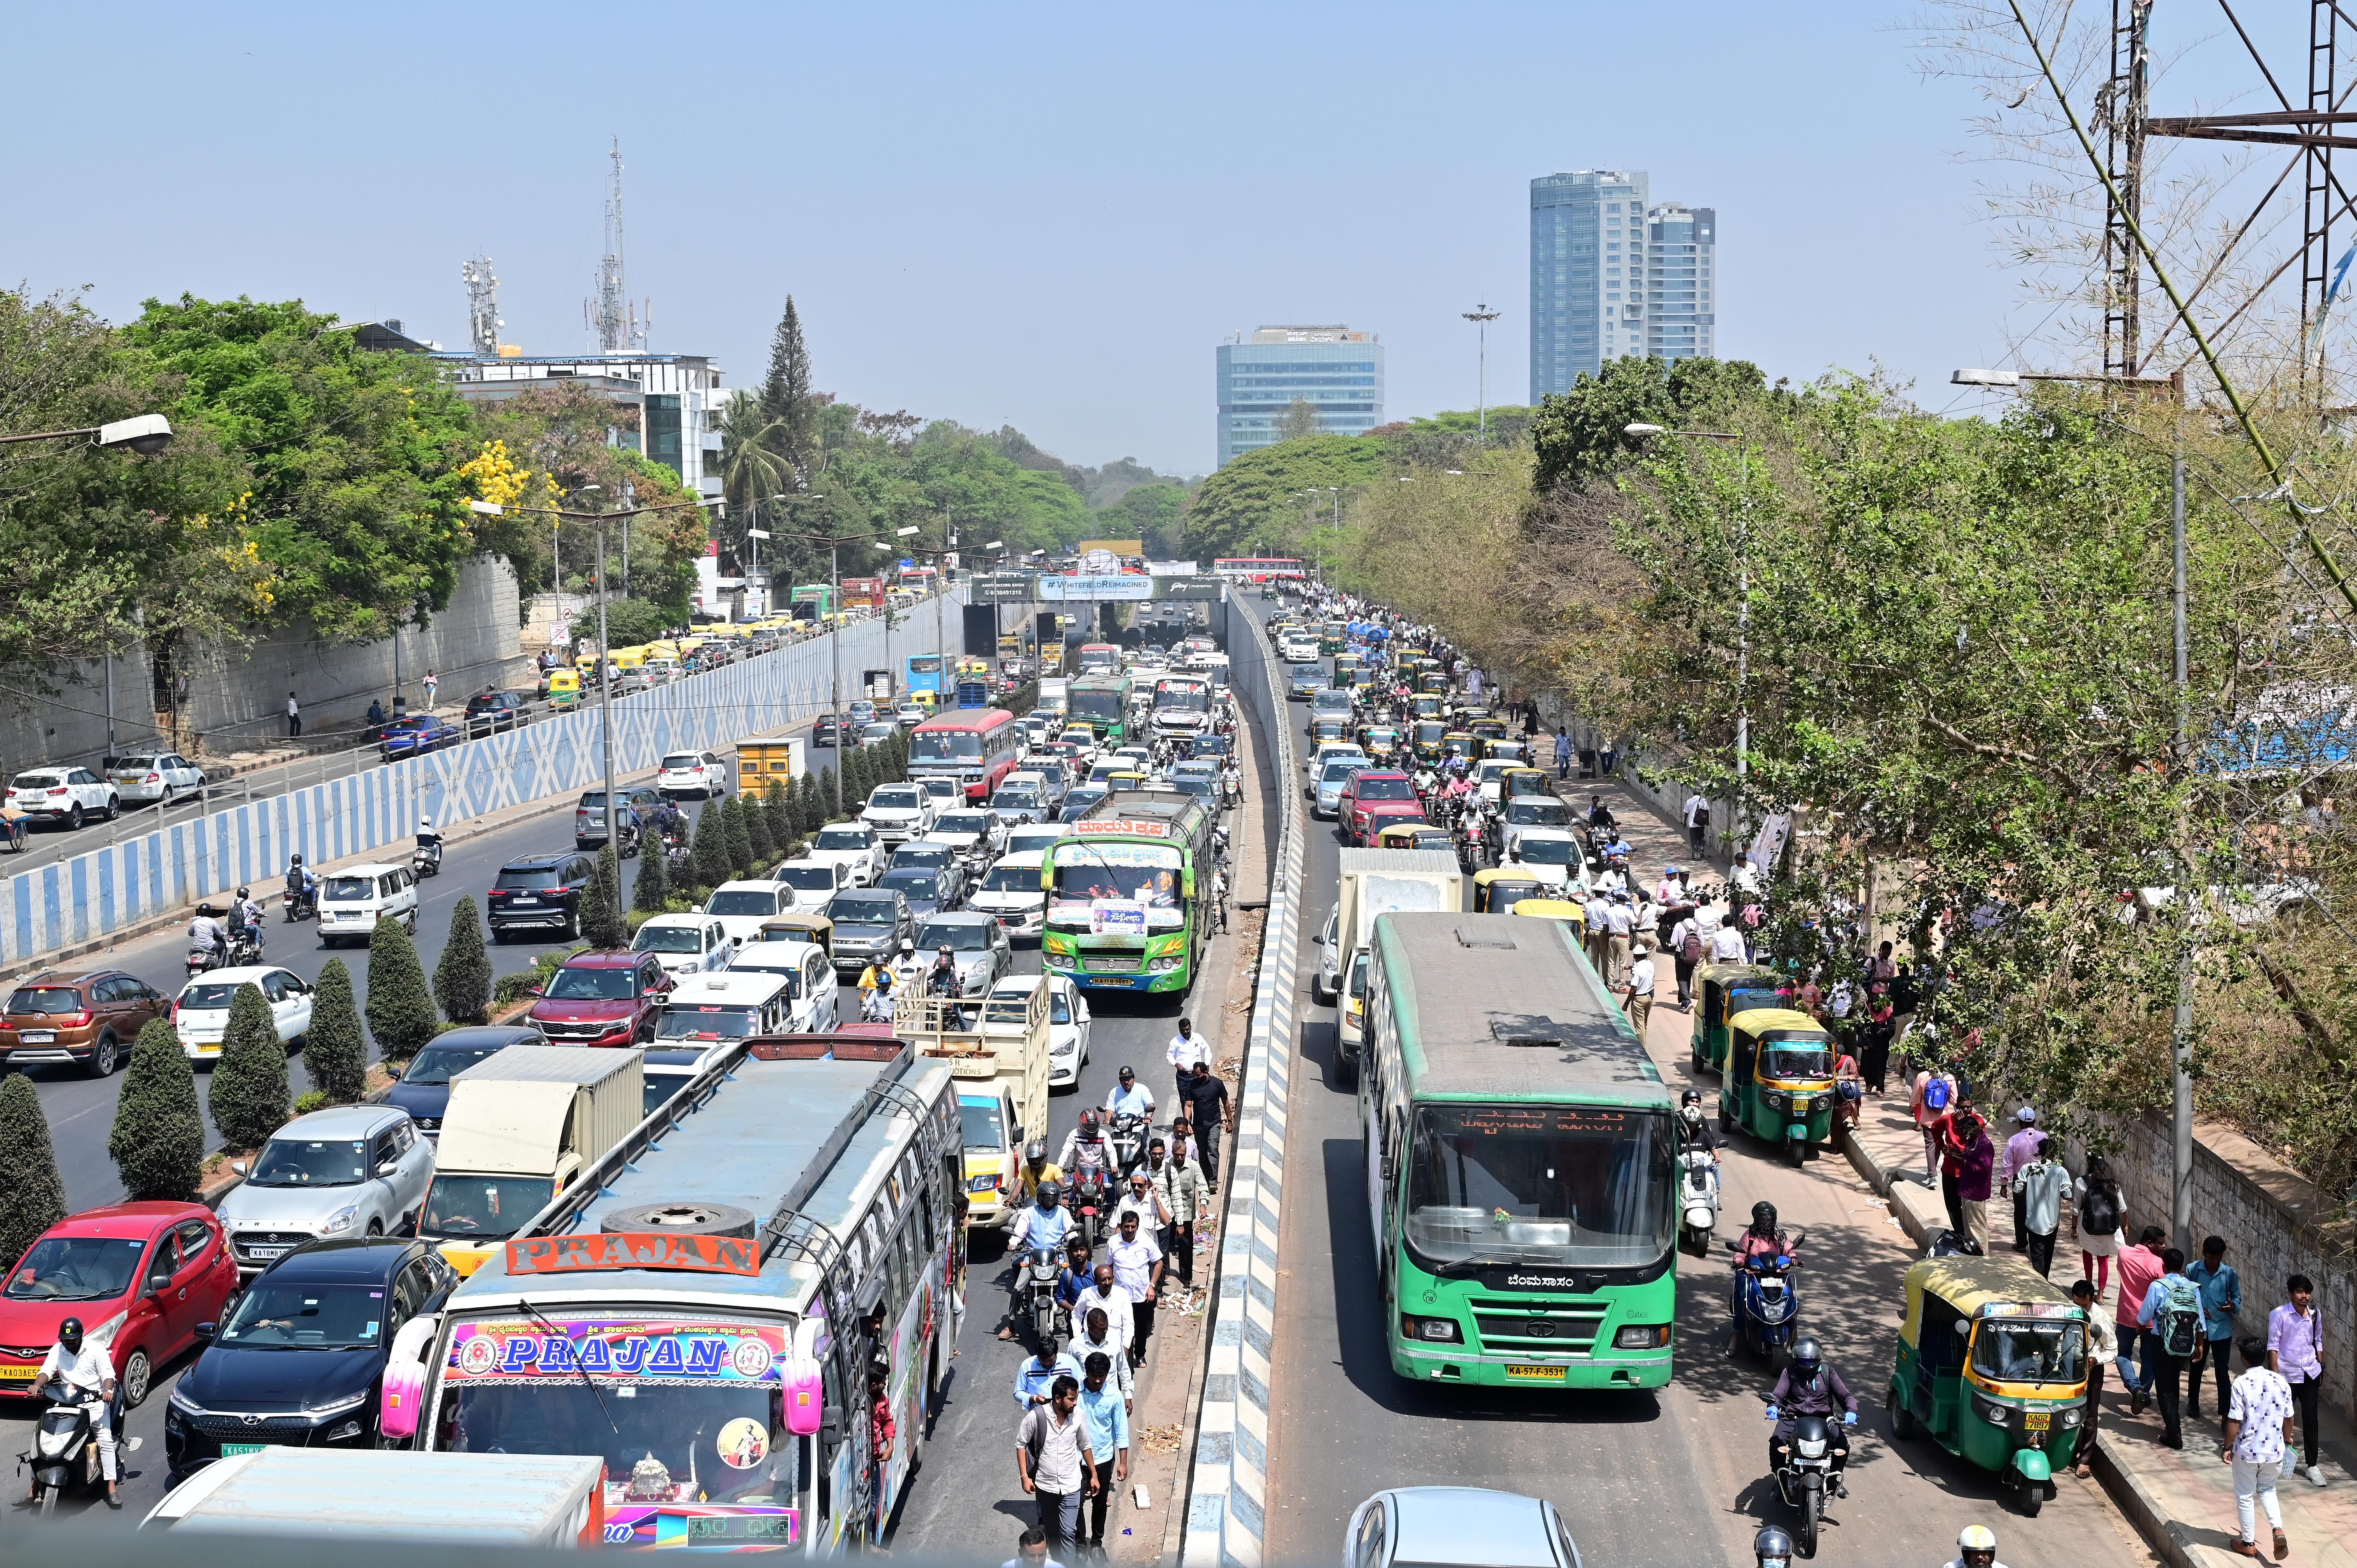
(602, 999)
(1373, 797)
(141, 1277)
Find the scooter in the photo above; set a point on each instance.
(1128, 1135)
(201, 960)
(426, 860)
(1806, 1480)
(65, 1452)
(1768, 1310)
(1697, 1200)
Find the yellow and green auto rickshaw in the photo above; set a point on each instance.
(1992, 1364)
(564, 688)
(1506, 750)
(1721, 991)
(1322, 730)
(1491, 730)
(1433, 683)
(1458, 742)
(1428, 734)
(798, 926)
(1346, 669)
(1382, 744)
(1571, 914)
(1427, 704)
(1517, 782)
(1415, 835)
(1779, 1082)
(1498, 888)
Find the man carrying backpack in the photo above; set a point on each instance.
(2171, 1314)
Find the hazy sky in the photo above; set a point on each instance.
(1029, 214)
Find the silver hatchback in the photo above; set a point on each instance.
(1440, 1527)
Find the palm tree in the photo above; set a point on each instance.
(751, 465)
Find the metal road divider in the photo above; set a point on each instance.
(1228, 1490)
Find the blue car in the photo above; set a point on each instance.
(416, 736)
(424, 1087)
(1078, 802)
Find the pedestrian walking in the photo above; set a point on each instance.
(2039, 1186)
(2296, 1349)
(1035, 1380)
(1120, 1307)
(1638, 994)
(1053, 1461)
(1137, 1266)
(432, 684)
(1209, 1110)
(2102, 1353)
(2171, 1319)
(2258, 1431)
(1031, 1550)
(1095, 1333)
(1106, 1414)
(2096, 1213)
(2222, 1298)
(2140, 1267)
(294, 717)
(1685, 952)
(1728, 945)
(1975, 1160)
(1874, 1046)
(2019, 1150)
(1187, 1049)
(1181, 1185)
(1935, 1092)
(1562, 754)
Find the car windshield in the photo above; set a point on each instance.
(1192, 784)
(862, 909)
(1336, 772)
(1792, 1059)
(708, 1022)
(210, 996)
(1530, 1183)
(1547, 852)
(1529, 811)
(1102, 704)
(844, 838)
(2029, 1350)
(1023, 795)
(807, 878)
(944, 746)
(1005, 878)
(963, 936)
(483, 1207)
(75, 1268)
(668, 938)
(348, 889)
(957, 822)
(680, 761)
(898, 799)
(915, 881)
(46, 998)
(527, 877)
(931, 856)
(1385, 789)
(311, 1162)
(437, 1064)
(38, 781)
(594, 984)
(741, 901)
(296, 1315)
(980, 1125)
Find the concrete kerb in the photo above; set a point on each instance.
(1228, 1487)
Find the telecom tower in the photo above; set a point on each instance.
(617, 326)
(483, 321)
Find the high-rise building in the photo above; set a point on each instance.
(1595, 236)
(1338, 371)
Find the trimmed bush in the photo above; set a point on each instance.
(740, 836)
(778, 812)
(249, 1095)
(462, 980)
(707, 852)
(401, 1016)
(335, 1053)
(757, 834)
(32, 1194)
(809, 806)
(602, 924)
(653, 886)
(158, 1141)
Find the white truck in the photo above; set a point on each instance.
(459, 1502)
(997, 1049)
(522, 1124)
(1381, 882)
(1056, 694)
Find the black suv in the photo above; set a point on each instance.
(299, 1359)
(540, 892)
(488, 712)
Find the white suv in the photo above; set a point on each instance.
(692, 773)
(351, 901)
(68, 795)
(899, 812)
(851, 845)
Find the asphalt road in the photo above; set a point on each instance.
(1677, 1474)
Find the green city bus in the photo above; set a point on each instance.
(1519, 1156)
(1129, 893)
(1101, 703)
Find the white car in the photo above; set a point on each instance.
(853, 846)
(947, 794)
(692, 773)
(68, 795)
(911, 715)
(899, 812)
(202, 1015)
(351, 901)
(811, 1005)
(1011, 891)
(1068, 1021)
(977, 834)
(162, 777)
(1552, 856)
(354, 1170)
(741, 907)
(1035, 837)
(813, 881)
(686, 944)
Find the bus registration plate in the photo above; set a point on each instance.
(1534, 1374)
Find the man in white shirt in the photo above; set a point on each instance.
(77, 1370)
(1187, 1049)
(1726, 946)
(1094, 1331)
(1136, 1259)
(1697, 815)
(1622, 922)
(1119, 1305)
(1639, 1001)
(1146, 1201)
(1597, 914)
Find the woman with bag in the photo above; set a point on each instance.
(2097, 1214)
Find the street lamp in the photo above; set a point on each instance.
(1481, 316)
(2175, 381)
(145, 433)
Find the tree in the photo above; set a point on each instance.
(1583, 435)
(756, 461)
(335, 1053)
(32, 1195)
(810, 805)
(157, 1143)
(859, 778)
(400, 1007)
(778, 811)
(462, 980)
(603, 924)
(1257, 505)
(707, 850)
(651, 890)
(786, 392)
(740, 837)
(765, 847)
(1149, 512)
(248, 1097)
(1299, 421)
(632, 621)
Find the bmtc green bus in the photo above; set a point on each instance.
(1101, 703)
(1518, 1147)
(1129, 893)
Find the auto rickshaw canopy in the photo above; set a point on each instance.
(1977, 1287)
(1771, 1026)
(1551, 909)
(1415, 835)
(799, 927)
(1497, 888)
(1523, 782)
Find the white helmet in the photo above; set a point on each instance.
(426, 823)
(1974, 1539)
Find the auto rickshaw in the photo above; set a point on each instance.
(1458, 742)
(1345, 669)
(1779, 1082)
(1126, 780)
(1992, 1364)
(1428, 734)
(564, 688)
(1325, 729)
(1426, 704)
(1491, 730)
(1415, 835)
(1382, 744)
(1433, 682)
(1721, 991)
(1498, 888)
(1331, 635)
(1523, 782)
(1571, 914)
(1507, 750)
(796, 927)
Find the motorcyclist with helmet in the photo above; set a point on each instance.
(1088, 1153)
(1975, 1548)
(245, 919)
(1039, 1235)
(1809, 1387)
(77, 1371)
(1129, 1097)
(208, 936)
(1696, 1134)
(1771, 1548)
(302, 886)
(1761, 1238)
(429, 842)
(1035, 1168)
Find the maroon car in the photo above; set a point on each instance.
(602, 999)
(1373, 797)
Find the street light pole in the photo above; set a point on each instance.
(1481, 316)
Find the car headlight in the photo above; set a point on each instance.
(338, 1407)
(104, 1333)
(342, 1220)
(982, 1184)
(348, 1430)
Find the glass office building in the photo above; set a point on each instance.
(1612, 275)
(1680, 244)
(1258, 376)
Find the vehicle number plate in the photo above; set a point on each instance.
(37, 1037)
(18, 1374)
(231, 1450)
(2039, 1420)
(522, 901)
(1535, 1374)
(264, 1254)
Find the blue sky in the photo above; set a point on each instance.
(1039, 215)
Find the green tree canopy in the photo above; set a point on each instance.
(32, 1196)
(1250, 507)
(157, 1142)
(248, 1095)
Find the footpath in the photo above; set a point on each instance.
(2180, 1501)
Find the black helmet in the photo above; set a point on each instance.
(1807, 1354)
(240, 893)
(1771, 1547)
(1763, 1217)
(1036, 1151)
(1691, 1097)
(1051, 1194)
(70, 1335)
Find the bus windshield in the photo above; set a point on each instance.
(946, 746)
(1098, 704)
(1092, 873)
(1173, 697)
(1554, 1185)
(661, 1443)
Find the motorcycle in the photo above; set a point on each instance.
(1039, 1295)
(244, 946)
(1128, 1135)
(1091, 1196)
(425, 861)
(1807, 1479)
(1768, 1308)
(302, 903)
(1697, 1200)
(65, 1450)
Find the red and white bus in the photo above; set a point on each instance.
(1258, 569)
(1100, 658)
(976, 747)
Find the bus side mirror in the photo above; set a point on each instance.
(1186, 885)
(1390, 1166)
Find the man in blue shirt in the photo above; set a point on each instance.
(2171, 1293)
(1106, 1416)
(1035, 1380)
(1129, 1097)
(2222, 1298)
(1040, 1232)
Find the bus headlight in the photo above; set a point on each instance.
(1437, 1330)
(1162, 965)
(1641, 1336)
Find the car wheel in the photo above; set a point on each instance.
(163, 804)
(114, 805)
(73, 819)
(103, 1055)
(137, 1376)
(376, 1228)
